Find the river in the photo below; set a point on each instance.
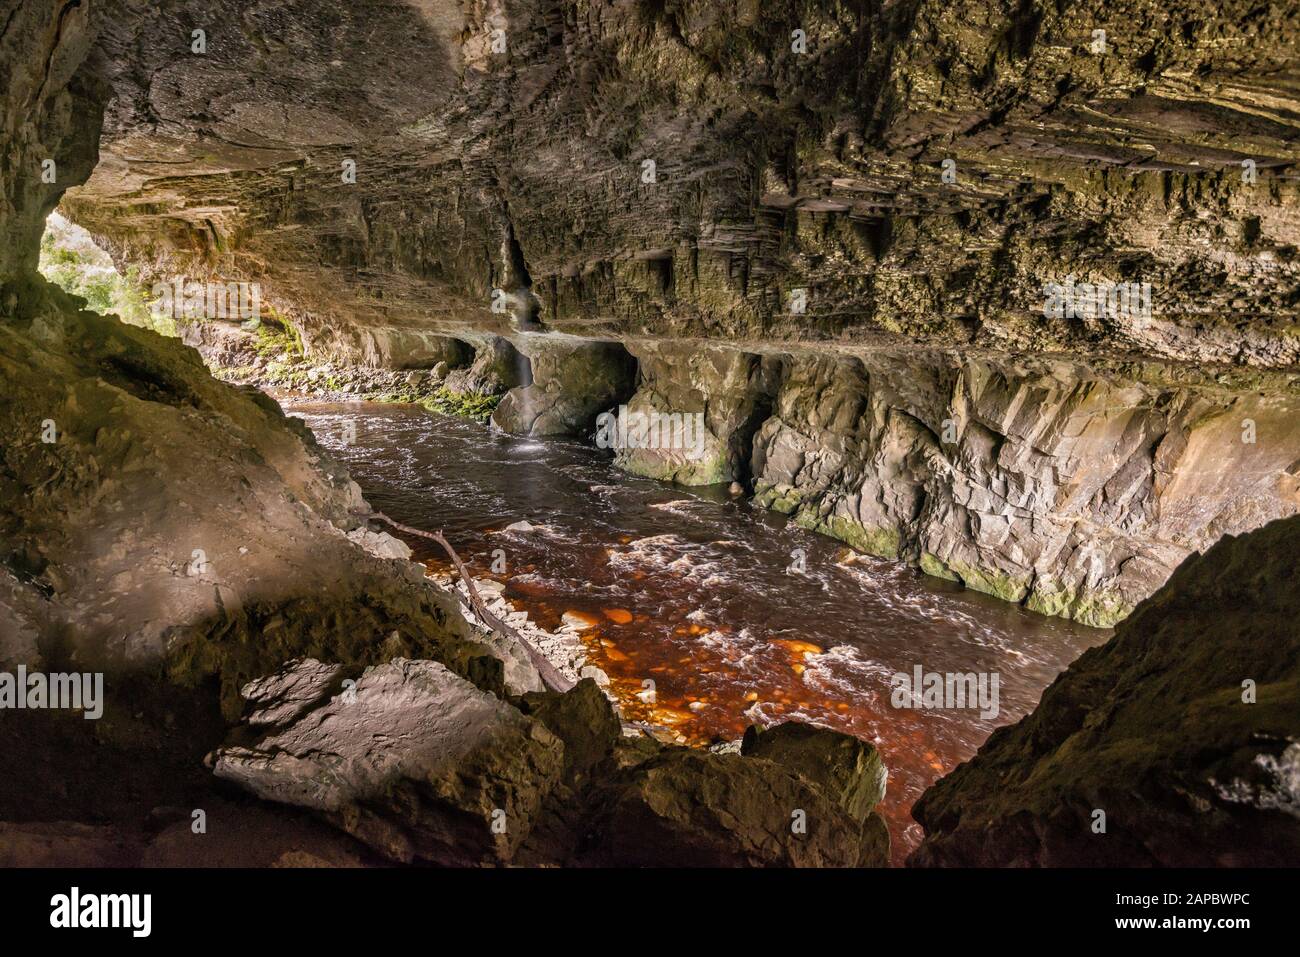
(735, 614)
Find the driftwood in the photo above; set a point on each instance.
(550, 675)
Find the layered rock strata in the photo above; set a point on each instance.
(422, 766)
(1071, 490)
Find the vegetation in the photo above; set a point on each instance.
(71, 260)
(277, 339)
(471, 405)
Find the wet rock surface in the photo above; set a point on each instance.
(1074, 493)
(1182, 731)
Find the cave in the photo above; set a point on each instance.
(674, 434)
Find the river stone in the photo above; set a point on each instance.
(571, 384)
(380, 544)
(847, 769)
(412, 760)
(1183, 729)
(727, 394)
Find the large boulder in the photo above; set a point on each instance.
(719, 397)
(572, 382)
(1176, 743)
(410, 759)
(582, 718)
(687, 808)
(847, 769)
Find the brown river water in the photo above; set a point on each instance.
(694, 591)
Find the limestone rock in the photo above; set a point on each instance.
(571, 384)
(380, 544)
(582, 718)
(412, 760)
(684, 808)
(1045, 484)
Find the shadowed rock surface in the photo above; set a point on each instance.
(1184, 729)
(408, 758)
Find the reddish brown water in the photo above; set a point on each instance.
(692, 591)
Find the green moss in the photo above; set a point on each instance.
(991, 582)
(709, 471)
(469, 404)
(276, 338)
(878, 541)
(933, 565)
(1099, 609)
(779, 498)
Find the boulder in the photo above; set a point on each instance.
(410, 759)
(847, 769)
(686, 808)
(571, 384)
(582, 718)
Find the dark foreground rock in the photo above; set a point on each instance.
(1183, 730)
(422, 766)
(848, 769)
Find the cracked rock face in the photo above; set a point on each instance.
(1183, 730)
(1074, 493)
(511, 168)
(422, 766)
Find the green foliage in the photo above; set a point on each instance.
(276, 338)
(71, 260)
(469, 404)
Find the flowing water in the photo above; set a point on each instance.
(702, 595)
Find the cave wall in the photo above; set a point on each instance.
(770, 207)
(1172, 745)
(1050, 484)
(775, 171)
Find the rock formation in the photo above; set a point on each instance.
(1007, 291)
(408, 758)
(1177, 743)
(722, 191)
(421, 765)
